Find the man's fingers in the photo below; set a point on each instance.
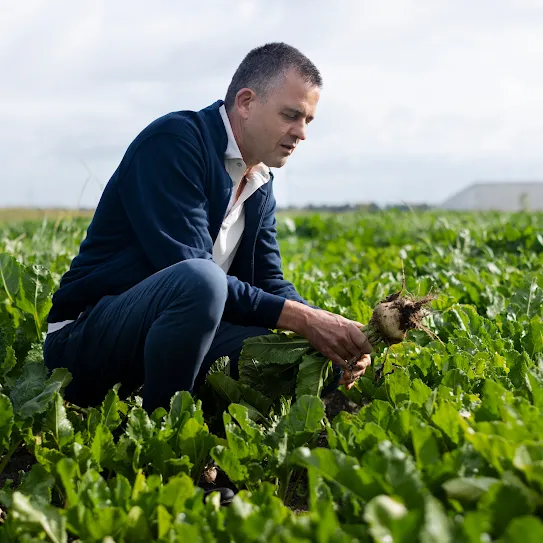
(360, 341)
(347, 351)
(364, 362)
(337, 360)
(350, 376)
(352, 351)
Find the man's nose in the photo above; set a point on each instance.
(299, 130)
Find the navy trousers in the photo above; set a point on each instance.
(164, 333)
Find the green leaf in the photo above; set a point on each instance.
(535, 378)
(57, 424)
(378, 412)
(475, 527)
(456, 379)
(29, 384)
(195, 442)
(38, 516)
(468, 489)
(496, 450)
(252, 431)
(311, 374)
(272, 380)
(302, 422)
(67, 471)
(425, 444)
(494, 396)
(38, 483)
(437, 527)
(524, 529)
(255, 399)
(259, 517)
(396, 472)
(8, 361)
(504, 502)
(355, 439)
(139, 426)
(102, 447)
(137, 526)
(270, 363)
(225, 386)
(222, 364)
(274, 349)
(164, 521)
(32, 394)
(230, 464)
(398, 386)
(419, 392)
(338, 469)
(9, 275)
(176, 492)
(533, 341)
(182, 408)
(97, 523)
(387, 518)
(33, 297)
(6, 422)
(158, 453)
(447, 419)
(121, 491)
(110, 410)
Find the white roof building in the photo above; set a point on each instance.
(522, 196)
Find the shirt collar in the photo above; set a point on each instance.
(232, 149)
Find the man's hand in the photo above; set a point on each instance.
(350, 376)
(336, 337)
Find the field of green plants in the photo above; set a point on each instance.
(440, 442)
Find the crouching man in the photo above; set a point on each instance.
(180, 263)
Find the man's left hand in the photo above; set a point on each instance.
(350, 376)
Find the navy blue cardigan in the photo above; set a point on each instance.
(165, 203)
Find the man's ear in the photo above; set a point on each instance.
(244, 101)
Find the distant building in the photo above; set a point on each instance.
(522, 196)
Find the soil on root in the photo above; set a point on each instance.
(411, 310)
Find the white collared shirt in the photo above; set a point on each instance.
(231, 232)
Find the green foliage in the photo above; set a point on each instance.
(446, 445)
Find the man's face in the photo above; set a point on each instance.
(274, 127)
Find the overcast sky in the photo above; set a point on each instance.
(420, 97)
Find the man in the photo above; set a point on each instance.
(180, 263)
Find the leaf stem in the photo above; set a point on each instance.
(532, 290)
(295, 484)
(8, 455)
(77, 409)
(37, 324)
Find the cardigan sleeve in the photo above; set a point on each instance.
(162, 190)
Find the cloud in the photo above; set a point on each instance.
(420, 97)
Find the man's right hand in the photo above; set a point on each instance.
(336, 337)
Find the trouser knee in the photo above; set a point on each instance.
(206, 284)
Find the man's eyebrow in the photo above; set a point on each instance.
(298, 112)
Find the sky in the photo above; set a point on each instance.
(420, 99)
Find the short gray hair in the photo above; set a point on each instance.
(264, 65)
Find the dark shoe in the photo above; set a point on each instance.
(227, 494)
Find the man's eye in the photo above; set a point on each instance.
(291, 117)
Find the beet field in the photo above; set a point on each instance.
(440, 442)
